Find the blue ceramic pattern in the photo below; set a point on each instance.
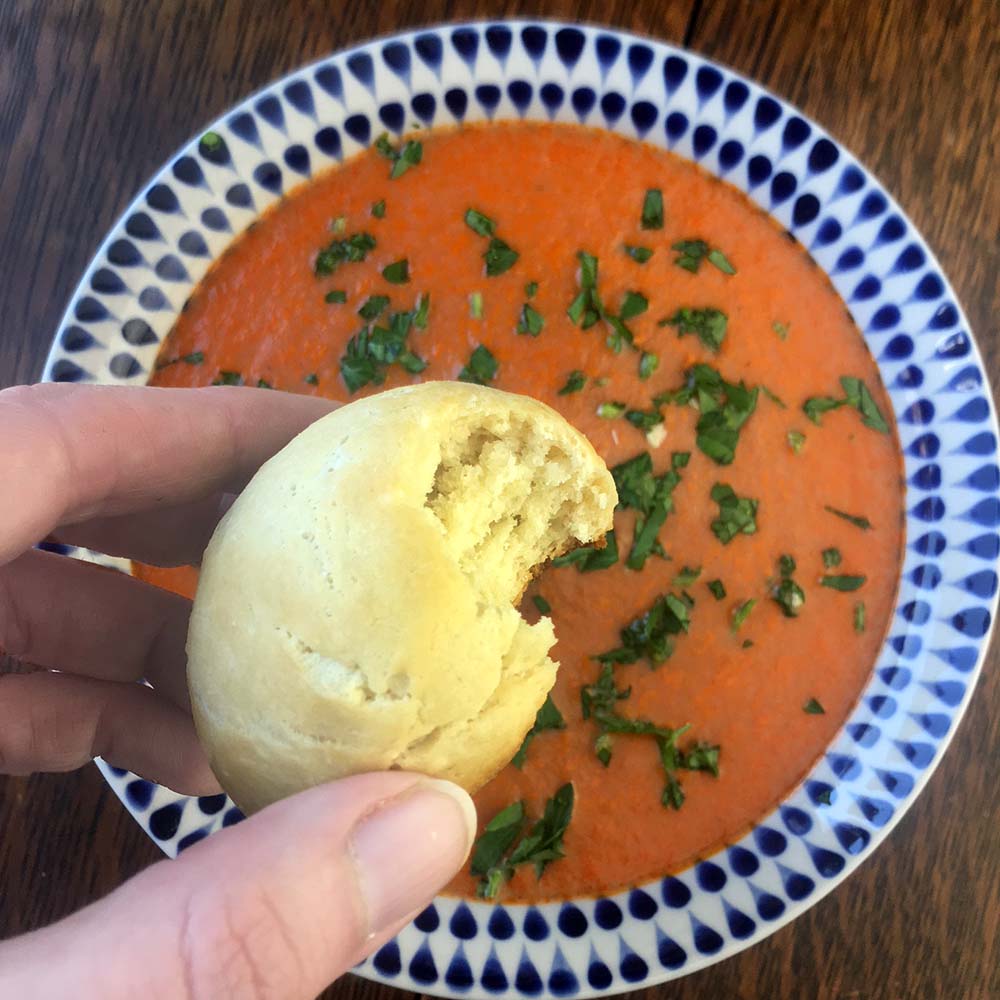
(324, 113)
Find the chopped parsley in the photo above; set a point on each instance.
(397, 273)
(725, 407)
(499, 257)
(741, 613)
(588, 558)
(548, 717)
(481, 225)
(402, 159)
(859, 522)
(543, 605)
(842, 582)
(648, 363)
(774, 397)
(831, 557)
(476, 305)
(610, 411)
(422, 311)
(351, 250)
(575, 381)
(644, 420)
(649, 636)
(690, 254)
(369, 352)
(639, 254)
(737, 515)
(481, 368)
(335, 297)
(599, 701)
(859, 616)
(531, 321)
(650, 496)
(531, 289)
(228, 378)
(373, 307)
(311, 379)
(634, 304)
(709, 325)
(717, 588)
(796, 440)
(586, 309)
(378, 209)
(652, 210)
(857, 396)
(492, 857)
(687, 576)
(813, 707)
(787, 594)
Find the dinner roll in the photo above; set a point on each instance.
(356, 609)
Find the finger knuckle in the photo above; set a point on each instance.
(238, 946)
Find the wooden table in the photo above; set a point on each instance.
(94, 96)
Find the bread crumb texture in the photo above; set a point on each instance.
(356, 609)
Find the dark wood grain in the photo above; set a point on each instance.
(95, 96)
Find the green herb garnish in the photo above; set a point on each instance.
(861, 399)
(311, 379)
(610, 411)
(586, 309)
(476, 305)
(813, 707)
(717, 588)
(194, 358)
(781, 329)
(378, 209)
(543, 605)
(787, 594)
(373, 307)
(649, 636)
(639, 254)
(650, 496)
(228, 378)
(531, 321)
(737, 515)
(644, 420)
(796, 439)
(481, 225)
(588, 558)
(369, 352)
(407, 156)
(548, 717)
(741, 613)
(842, 582)
(575, 381)
(351, 250)
(774, 397)
(397, 273)
(815, 406)
(531, 289)
(859, 522)
(335, 297)
(859, 616)
(422, 311)
(831, 557)
(499, 257)
(652, 210)
(648, 363)
(709, 325)
(687, 576)
(690, 254)
(482, 367)
(262, 383)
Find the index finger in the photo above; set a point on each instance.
(72, 452)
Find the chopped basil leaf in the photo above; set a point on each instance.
(373, 307)
(639, 254)
(709, 325)
(543, 605)
(480, 224)
(859, 616)
(575, 381)
(531, 321)
(737, 515)
(476, 305)
(544, 842)
(813, 707)
(781, 329)
(194, 358)
(228, 378)
(717, 588)
(586, 309)
(335, 297)
(859, 522)
(482, 367)
(610, 411)
(648, 363)
(861, 399)
(652, 210)
(378, 209)
(497, 838)
(588, 558)
(351, 250)
(842, 582)
(339, 225)
(422, 311)
(311, 379)
(719, 260)
(397, 273)
(369, 352)
(531, 289)
(687, 576)
(649, 636)
(787, 594)
(548, 717)
(815, 406)
(650, 496)
(777, 400)
(634, 304)
(796, 439)
(831, 557)
(409, 155)
(499, 257)
(262, 383)
(644, 420)
(741, 614)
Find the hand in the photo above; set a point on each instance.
(277, 906)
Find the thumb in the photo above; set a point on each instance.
(277, 906)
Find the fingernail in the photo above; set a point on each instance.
(411, 847)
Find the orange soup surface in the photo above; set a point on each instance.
(766, 687)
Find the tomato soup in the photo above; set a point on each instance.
(664, 315)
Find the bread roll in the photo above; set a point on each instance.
(356, 609)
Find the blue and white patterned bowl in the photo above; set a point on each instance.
(922, 682)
